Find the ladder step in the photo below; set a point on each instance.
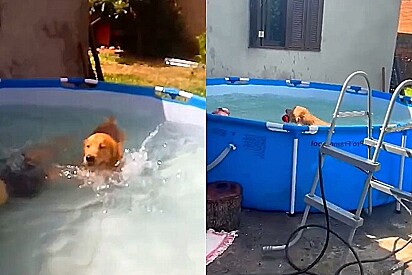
(335, 211)
(352, 114)
(392, 148)
(398, 128)
(355, 160)
(391, 190)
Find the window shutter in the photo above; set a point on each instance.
(255, 9)
(295, 24)
(314, 17)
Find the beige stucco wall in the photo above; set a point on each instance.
(43, 38)
(356, 35)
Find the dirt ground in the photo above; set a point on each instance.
(375, 239)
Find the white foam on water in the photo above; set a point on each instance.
(152, 224)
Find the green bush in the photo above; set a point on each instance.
(408, 91)
(201, 57)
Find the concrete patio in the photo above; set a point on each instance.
(375, 239)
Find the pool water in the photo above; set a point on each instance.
(271, 106)
(153, 224)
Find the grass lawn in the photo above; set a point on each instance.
(152, 73)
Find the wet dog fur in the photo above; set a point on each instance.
(302, 116)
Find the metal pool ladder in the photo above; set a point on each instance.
(369, 165)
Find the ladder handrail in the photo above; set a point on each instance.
(340, 99)
(336, 112)
(354, 220)
(388, 116)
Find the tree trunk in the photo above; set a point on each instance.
(43, 38)
(224, 200)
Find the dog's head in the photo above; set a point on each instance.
(101, 151)
(299, 115)
(222, 111)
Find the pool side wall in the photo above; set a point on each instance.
(124, 98)
(262, 162)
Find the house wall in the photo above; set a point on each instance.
(356, 35)
(43, 38)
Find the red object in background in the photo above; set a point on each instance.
(102, 32)
(285, 118)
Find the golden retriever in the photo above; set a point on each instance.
(301, 116)
(103, 149)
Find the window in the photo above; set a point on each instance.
(286, 24)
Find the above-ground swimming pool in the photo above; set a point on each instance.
(265, 147)
(150, 225)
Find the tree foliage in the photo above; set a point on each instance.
(152, 28)
(109, 7)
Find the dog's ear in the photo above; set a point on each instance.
(310, 120)
(117, 153)
(300, 119)
(84, 143)
(120, 150)
(122, 136)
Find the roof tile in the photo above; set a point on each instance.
(405, 18)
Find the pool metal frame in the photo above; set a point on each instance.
(159, 92)
(277, 127)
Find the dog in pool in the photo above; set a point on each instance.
(103, 148)
(301, 116)
(30, 170)
(25, 173)
(221, 111)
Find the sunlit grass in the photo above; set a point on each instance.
(129, 70)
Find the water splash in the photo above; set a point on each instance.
(105, 186)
